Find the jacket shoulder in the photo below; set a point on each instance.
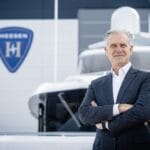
(101, 79)
(143, 73)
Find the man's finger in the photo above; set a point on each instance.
(99, 125)
(93, 103)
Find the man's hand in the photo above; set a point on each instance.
(124, 107)
(147, 123)
(99, 126)
(93, 103)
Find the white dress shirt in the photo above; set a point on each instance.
(116, 84)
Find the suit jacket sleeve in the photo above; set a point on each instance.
(136, 115)
(92, 115)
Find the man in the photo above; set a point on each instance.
(119, 103)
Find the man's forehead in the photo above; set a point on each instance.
(117, 38)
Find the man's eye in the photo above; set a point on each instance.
(123, 45)
(113, 46)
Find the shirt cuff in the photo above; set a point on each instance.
(106, 124)
(115, 110)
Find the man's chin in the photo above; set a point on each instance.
(119, 59)
(121, 63)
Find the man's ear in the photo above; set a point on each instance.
(105, 49)
(131, 48)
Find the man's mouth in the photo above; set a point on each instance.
(118, 55)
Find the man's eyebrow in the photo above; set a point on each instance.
(113, 44)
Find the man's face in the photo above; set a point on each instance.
(118, 49)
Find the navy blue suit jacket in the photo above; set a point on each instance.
(126, 130)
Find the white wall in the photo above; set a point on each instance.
(149, 22)
(67, 48)
(37, 68)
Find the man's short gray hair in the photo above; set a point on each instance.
(110, 32)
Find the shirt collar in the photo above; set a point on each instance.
(123, 70)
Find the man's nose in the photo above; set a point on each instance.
(119, 49)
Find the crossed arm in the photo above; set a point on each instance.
(121, 107)
(130, 115)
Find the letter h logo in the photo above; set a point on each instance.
(15, 43)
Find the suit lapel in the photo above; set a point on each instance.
(127, 81)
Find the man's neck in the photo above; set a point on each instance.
(116, 70)
(117, 67)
